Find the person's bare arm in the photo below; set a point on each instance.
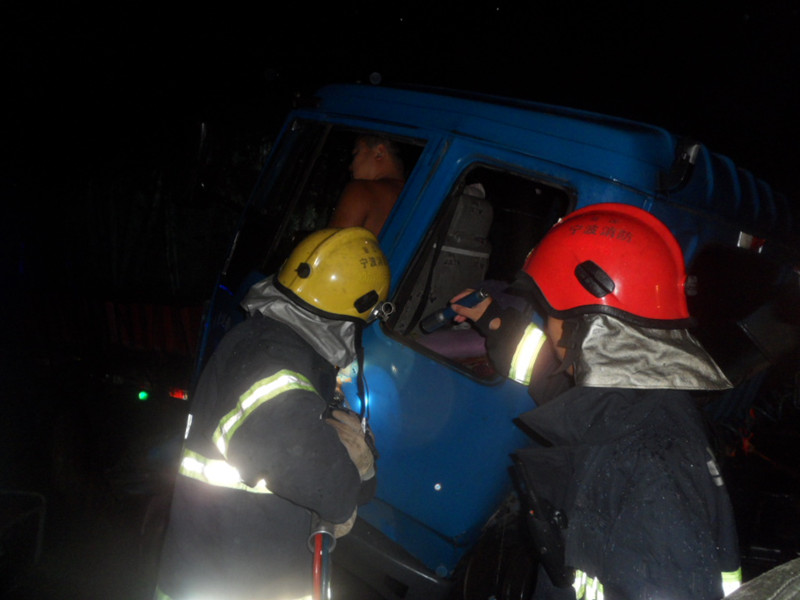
(353, 207)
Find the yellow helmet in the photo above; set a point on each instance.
(339, 272)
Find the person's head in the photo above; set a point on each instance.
(614, 259)
(337, 273)
(376, 157)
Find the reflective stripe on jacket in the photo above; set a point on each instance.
(587, 588)
(590, 588)
(731, 581)
(525, 354)
(219, 472)
(260, 392)
(216, 472)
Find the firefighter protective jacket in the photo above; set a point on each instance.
(647, 510)
(258, 458)
(648, 515)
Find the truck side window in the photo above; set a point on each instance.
(489, 223)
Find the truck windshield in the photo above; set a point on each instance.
(297, 194)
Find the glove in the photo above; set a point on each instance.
(336, 530)
(342, 529)
(348, 426)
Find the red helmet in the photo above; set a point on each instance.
(615, 259)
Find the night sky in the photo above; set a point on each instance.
(119, 91)
(727, 71)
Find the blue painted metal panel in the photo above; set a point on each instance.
(728, 199)
(445, 442)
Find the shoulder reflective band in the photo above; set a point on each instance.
(526, 353)
(731, 581)
(216, 472)
(260, 392)
(587, 588)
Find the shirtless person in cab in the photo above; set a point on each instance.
(378, 178)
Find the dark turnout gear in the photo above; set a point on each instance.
(647, 511)
(268, 448)
(625, 476)
(246, 536)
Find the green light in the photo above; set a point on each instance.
(144, 395)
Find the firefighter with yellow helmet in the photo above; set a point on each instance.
(627, 501)
(263, 449)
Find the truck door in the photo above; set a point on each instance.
(443, 418)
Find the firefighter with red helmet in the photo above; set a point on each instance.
(628, 495)
(264, 450)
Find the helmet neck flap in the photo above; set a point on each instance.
(608, 352)
(336, 340)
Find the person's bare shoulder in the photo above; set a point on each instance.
(366, 203)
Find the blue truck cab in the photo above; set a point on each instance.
(486, 178)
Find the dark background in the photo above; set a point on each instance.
(132, 135)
